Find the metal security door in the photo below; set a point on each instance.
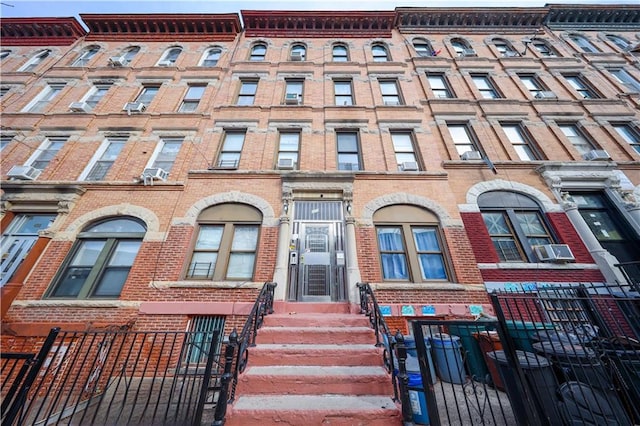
(319, 272)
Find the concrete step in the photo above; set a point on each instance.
(309, 354)
(334, 410)
(315, 320)
(314, 380)
(316, 335)
(281, 307)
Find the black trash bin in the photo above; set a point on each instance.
(580, 404)
(541, 387)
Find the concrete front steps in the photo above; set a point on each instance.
(314, 364)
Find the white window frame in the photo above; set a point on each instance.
(35, 61)
(157, 152)
(44, 98)
(169, 56)
(85, 56)
(625, 78)
(284, 152)
(194, 101)
(211, 51)
(520, 141)
(99, 153)
(44, 147)
(487, 86)
(577, 137)
(463, 141)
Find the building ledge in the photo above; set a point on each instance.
(538, 266)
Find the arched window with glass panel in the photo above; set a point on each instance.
(462, 47)
(544, 48)
(35, 60)
(85, 56)
(422, 47)
(340, 53)
(380, 53)
(515, 224)
(621, 42)
(298, 52)
(170, 57)
(211, 57)
(583, 43)
(258, 52)
(99, 262)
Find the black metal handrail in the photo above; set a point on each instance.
(236, 354)
(393, 344)
(631, 272)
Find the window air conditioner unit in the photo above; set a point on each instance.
(468, 52)
(546, 95)
(134, 107)
(510, 54)
(597, 154)
(409, 166)
(23, 172)
(296, 56)
(154, 173)
(286, 164)
(471, 155)
(117, 61)
(79, 107)
(291, 99)
(391, 103)
(166, 63)
(554, 253)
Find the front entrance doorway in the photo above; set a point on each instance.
(317, 267)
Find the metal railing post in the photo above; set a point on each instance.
(229, 355)
(403, 379)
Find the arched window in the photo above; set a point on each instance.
(35, 60)
(130, 53)
(170, 57)
(380, 53)
(340, 53)
(583, 43)
(462, 47)
(515, 224)
(410, 244)
(544, 48)
(622, 43)
(211, 57)
(298, 52)
(100, 260)
(422, 47)
(505, 48)
(258, 52)
(226, 244)
(85, 56)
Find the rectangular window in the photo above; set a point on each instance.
(166, 153)
(44, 98)
(520, 142)
(439, 86)
(485, 86)
(229, 157)
(577, 138)
(392, 253)
(192, 98)
(404, 150)
(515, 233)
(623, 77)
(288, 150)
(96, 94)
(543, 49)
(581, 86)
(103, 159)
(430, 257)
(224, 251)
(348, 152)
(462, 139)
(293, 92)
(343, 93)
(4, 141)
(203, 331)
(46, 151)
(630, 134)
(532, 84)
(247, 93)
(390, 92)
(147, 94)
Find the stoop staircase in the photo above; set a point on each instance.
(314, 364)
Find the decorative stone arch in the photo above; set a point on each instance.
(403, 198)
(268, 215)
(503, 185)
(147, 216)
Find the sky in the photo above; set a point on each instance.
(73, 8)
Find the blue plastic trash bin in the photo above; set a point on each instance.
(448, 358)
(417, 399)
(412, 357)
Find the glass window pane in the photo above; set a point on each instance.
(507, 249)
(233, 141)
(111, 283)
(347, 142)
(125, 253)
(394, 266)
(240, 266)
(530, 223)
(118, 225)
(402, 142)
(88, 253)
(496, 223)
(71, 282)
(245, 238)
(390, 239)
(432, 267)
(202, 265)
(426, 239)
(209, 238)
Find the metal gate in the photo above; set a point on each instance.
(114, 376)
(318, 272)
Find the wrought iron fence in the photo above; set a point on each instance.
(117, 376)
(236, 355)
